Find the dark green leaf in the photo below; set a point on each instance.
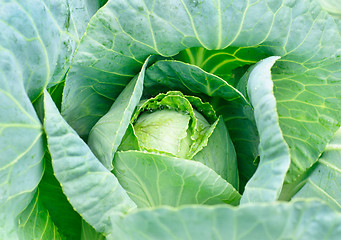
(60, 210)
(35, 222)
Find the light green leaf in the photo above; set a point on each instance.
(189, 79)
(155, 179)
(306, 78)
(129, 140)
(92, 190)
(164, 131)
(35, 222)
(35, 50)
(93, 5)
(219, 154)
(170, 123)
(80, 13)
(325, 180)
(226, 100)
(307, 220)
(266, 184)
(35, 34)
(106, 135)
(332, 6)
(21, 147)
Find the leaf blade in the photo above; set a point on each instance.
(266, 183)
(105, 137)
(155, 180)
(74, 164)
(297, 220)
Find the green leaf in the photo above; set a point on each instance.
(35, 222)
(174, 112)
(226, 63)
(266, 184)
(60, 210)
(56, 93)
(35, 50)
(308, 111)
(325, 181)
(129, 140)
(35, 34)
(92, 190)
(21, 147)
(332, 6)
(298, 220)
(80, 13)
(155, 179)
(189, 79)
(219, 154)
(306, 78)
(89, 233)
(106, 135)
(239, 120)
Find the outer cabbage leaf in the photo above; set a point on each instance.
(298, 220)
(266, 183)
(80, 12)
(325, 180)
(92, 190)
(21, 147)
(41, 36)
(36, 45)
(35, 34)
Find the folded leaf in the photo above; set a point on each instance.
(107, 134)
(92, 190)
(266, 183)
